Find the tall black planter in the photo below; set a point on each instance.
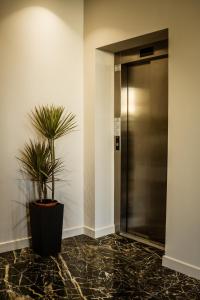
(46, 228)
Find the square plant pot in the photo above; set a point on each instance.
(46, 228)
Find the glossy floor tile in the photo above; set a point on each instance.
(112, 267)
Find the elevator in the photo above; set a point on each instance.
(141, 101)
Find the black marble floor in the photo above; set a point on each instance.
(111, 267)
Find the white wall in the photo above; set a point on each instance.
(104, 141)
(41, 61)
(111, 21)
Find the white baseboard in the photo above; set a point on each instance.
(25, 242)
(73, 231)
(89, 231)
(181, 266)
(67, 232)
(93, 233)
(104, 231)
(96, 233)
(14, 244)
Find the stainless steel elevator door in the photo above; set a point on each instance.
(147, 123)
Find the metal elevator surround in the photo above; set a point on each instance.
(144, 136)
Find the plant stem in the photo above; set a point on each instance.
(45, 191)
(39, 191)
(52, 151)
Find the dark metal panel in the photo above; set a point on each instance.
(138, 169)
(149, 182)
(117, 153)
(159, 50)
(146, 149)
(124, 140)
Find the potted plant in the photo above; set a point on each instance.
(40, 164)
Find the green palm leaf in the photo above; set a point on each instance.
(52, 122)
(37, 164)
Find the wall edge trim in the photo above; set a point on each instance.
(181, 266)
(25, 241)
(67, 232)
(15, 244)
(73, 231)
(105, 230)
(89, 231)
(99, 232)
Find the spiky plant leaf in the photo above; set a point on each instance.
(52, 122)
(36, 163)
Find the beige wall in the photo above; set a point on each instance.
(104, 142)
(41, 61)
(115, 20)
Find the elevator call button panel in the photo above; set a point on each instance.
(117, 132)
(117, 127)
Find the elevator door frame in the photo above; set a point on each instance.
(122, 61)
